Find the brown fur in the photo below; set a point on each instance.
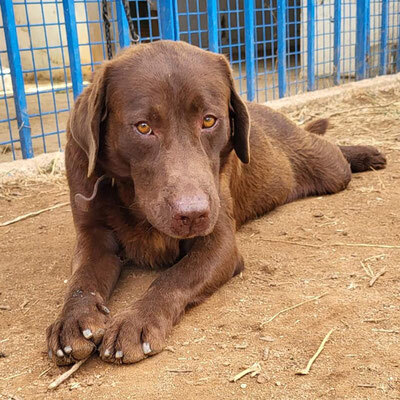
(174, 199)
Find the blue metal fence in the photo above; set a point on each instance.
(50, 48)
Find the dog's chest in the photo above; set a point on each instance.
(142, 244)
(146, 247)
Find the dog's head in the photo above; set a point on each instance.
(166, 115)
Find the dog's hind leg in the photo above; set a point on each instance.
(363, 158)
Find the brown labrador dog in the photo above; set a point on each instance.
(159, 170)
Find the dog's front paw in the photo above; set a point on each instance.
(134, 334)
(78, 329)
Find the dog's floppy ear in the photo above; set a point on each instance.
(86, 116)
(239, 119)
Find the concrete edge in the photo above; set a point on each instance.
(347, 89)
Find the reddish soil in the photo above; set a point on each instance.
(301, 250)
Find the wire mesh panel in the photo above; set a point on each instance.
(192, 20)
(348, 41)
(266, 49)
(43, 50)
(231, 34)
(42, 43)
(276, 48)
(296, 17)
(324, 44)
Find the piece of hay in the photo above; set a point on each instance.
(254, 370)
(306, 370)
(291, 308)
(375, 278)
(33, 214)
(320, 246)
(66, 375)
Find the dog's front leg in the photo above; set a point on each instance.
(81, 323)
(142, 329)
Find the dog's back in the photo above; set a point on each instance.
(288, 163)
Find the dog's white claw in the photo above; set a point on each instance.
(87, 333)
(67, 349)
(146, 348)
(119, 354)
(60, 353)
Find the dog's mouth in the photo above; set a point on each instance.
(184, 219)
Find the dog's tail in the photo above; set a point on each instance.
(319, 126)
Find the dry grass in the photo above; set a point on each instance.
(379, 108)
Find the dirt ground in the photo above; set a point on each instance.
(322, 245)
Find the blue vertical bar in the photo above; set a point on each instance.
(123, 27)
(310, 45)
(337, 41)
(168, 17)
(14, 59)
(73, 47)
(250, 51)
(384, 38)
(281, 27)
(212, 14)
(362, 39)
(398, 47)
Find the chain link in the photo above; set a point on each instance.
(134, 36)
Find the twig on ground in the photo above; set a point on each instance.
(386, 330)
(383, 187)
(45, 372)
(253, 370)
(29, 308)
(179, 371)
(33, 214)
(306, 370)
(367, 269)
(320, 246)
(375, 278)
(294, 243)
(366, 385)
(291, 308)
(374, 258)
(375, 321)
(66, 375)
(14, 376)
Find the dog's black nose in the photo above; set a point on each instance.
(191, 214)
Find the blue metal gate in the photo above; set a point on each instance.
(277, 48)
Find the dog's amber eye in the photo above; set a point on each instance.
(143, 128)
(209, 121)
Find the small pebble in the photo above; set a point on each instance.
(261, 379)
(267, 339)
(352, 286)
(277, 383)
(243, 386)
(74, 385)
(226, 363)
